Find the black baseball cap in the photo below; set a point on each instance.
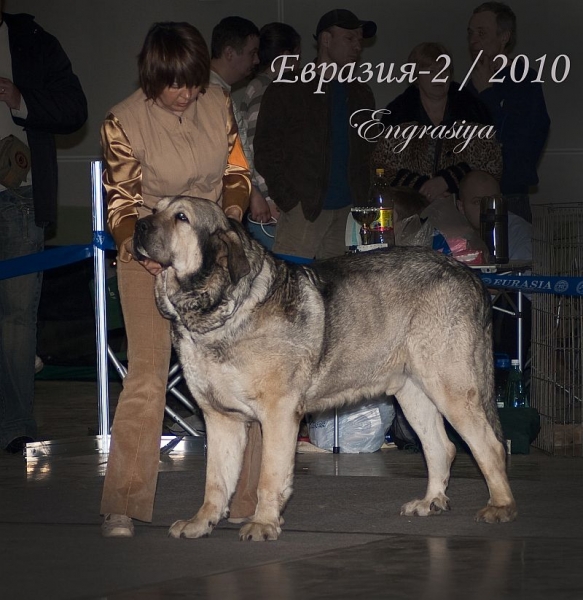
(340, 17)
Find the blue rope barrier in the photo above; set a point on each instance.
(41, 261)
(54, 257)
(64, 255)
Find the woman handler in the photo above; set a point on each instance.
(176, 135)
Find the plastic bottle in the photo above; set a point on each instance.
(515, 393)
(501, 371)
(494, 227)
(380, 196)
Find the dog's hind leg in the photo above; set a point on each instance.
(439, 452)
(226, 438)
(478, 433)
(280, 429)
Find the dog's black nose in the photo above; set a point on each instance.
(143, 225)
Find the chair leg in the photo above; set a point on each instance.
(122, 372)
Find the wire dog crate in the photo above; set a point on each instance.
(557, 330)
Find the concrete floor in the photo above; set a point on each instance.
(343, 536)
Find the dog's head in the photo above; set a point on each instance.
(193, 237)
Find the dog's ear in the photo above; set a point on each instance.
(237, 262)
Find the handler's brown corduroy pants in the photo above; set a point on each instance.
(132, 467)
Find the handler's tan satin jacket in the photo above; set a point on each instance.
(150, 153)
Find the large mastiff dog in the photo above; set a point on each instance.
(263, 340)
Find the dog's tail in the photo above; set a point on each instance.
(487, 361)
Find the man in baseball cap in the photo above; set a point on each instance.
(340, 17)
(307, 148)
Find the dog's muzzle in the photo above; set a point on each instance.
(142, 232)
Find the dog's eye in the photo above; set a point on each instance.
(154, 211)
(181, 217)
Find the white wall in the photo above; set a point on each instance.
(103, 38)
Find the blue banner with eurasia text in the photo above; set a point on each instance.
(64, 255)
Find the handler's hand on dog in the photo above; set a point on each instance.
(234, 212)
(9, 93)
(151, 266)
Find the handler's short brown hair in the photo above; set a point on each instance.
(173, 54)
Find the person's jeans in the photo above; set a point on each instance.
(19, 299)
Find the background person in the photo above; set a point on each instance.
(176, 135)
(314, 163)
(518, 110)
(40, 96)
(234, 57)
(234, 48)
(275, 39)
(431, 166)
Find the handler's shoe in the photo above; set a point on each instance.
(117, 526)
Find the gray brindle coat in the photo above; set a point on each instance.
(263, 340)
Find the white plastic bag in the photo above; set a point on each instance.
(362, 427)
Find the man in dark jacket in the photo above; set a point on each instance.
(518, 108)
(40, 96)
(314, 163)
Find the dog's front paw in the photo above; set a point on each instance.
(259, 532)
(194, 528)
(425, 508)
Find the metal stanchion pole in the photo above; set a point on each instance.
(100, 305)
(519, 328)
